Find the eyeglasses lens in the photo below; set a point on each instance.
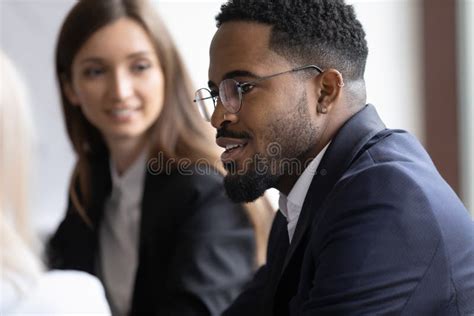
(230, 95)
(205, 103)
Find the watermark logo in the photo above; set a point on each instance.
(272, 162)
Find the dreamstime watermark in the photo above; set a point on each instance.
(271, 162)
(184, 166)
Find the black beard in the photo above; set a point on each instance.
(287, 139)
(250, 186)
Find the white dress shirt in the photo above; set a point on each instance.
(291, 205)
(119, 235)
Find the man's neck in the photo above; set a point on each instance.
(287, 181)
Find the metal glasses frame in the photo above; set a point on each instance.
(242, 86)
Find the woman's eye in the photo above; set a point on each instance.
(141, 67)
(93, 72)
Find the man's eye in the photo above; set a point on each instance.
(246, 87)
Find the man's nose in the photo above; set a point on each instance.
(221, 116)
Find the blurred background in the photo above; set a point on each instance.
(419, 76)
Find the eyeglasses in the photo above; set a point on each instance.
(231, 91)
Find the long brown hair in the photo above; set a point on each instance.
(179, 131)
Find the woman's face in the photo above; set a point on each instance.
(117, 81)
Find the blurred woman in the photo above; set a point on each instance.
(147, 210)
(24, 285)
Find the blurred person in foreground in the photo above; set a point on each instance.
(367, 226)
(25, 286)
(147, 208)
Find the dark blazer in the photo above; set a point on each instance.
(196, 247)
(380, 233)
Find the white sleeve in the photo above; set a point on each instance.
(66, 292)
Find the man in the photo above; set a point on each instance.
(366, 224)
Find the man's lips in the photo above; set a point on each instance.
(226, 142)
(233, 147)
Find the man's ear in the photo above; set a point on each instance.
(331, 83)
(69, 92)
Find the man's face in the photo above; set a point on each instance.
(274, 131)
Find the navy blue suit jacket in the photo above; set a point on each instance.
(380, 233)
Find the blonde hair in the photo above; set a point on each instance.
(17, 241)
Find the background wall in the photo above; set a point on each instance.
(28, 30)
(465, 10)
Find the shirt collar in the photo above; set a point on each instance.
(132, 179)
(291, 205)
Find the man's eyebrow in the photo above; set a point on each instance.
(233, 74)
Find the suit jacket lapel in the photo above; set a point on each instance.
(88, 244)
(344, 148)
(156, 222)
(101, 188)
(148, 199)
(157, 218)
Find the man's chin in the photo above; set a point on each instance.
(248, 187)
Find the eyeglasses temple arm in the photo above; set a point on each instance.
(281, 73)
(306, 67)
(200, 99)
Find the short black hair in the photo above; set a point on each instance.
(322, 32)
